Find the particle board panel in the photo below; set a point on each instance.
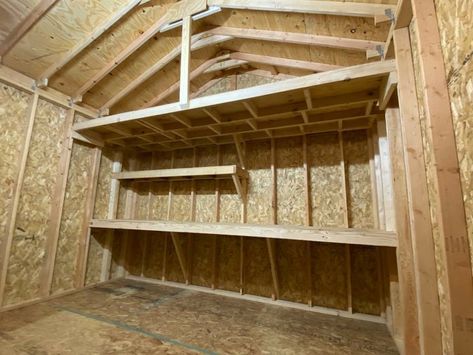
(154, 254)
(72, 219)
(117, 245)
(173, 268)
(28, 245)
(292, 270)
(290, 181)
(201, 260)
(143, 189)
(258, 279)
(103, 184)
(230, 202)
(53, 35)
(205, 199)
(136, 250)
(456, 33)
(329, 275)
(13, 121)
(326, 181)
(359, 196)
(94, 260)
(365, 282)
(159, 200)
(258, 160)
(245, 80)
(181, 201)
(228, 263)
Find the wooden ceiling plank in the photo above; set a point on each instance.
(175, 12)
(79, 47)
(23, 27)
(284, 62)
(297, 38)
(336, 8)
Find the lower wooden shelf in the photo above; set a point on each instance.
(328, 235)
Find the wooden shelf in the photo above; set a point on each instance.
(233, 172)
(328, 235)
(340, 99)
(225, 171)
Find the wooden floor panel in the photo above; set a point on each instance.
(129, 317)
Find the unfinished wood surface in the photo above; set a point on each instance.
(417, 183)
(25, 25)
(334, 235)
(405, 255)
(360, 211)
(327, 199)
(57, 205)
(208, 171)
(455, 27)
(447, 199)
(17, 118)
(290, 182)
(27, 251)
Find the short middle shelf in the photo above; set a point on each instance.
(233, 172)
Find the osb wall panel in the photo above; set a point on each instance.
(173, 268)
(324, 158)
(72, 220)
(364, 271)
(34, 208)
(230, 202)
(94, 260)
(290, 181)
(201, 259)
(257, 268)
(455, 20)
(359, 195)
(228, 262)
(258, 161)
(293, 270)
(328, 262)
(205, 198)
(13, 121)
(102, 195)
(329, 275)
(432, 191)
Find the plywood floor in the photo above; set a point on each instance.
(129, 317)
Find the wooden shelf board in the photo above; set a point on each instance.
(327, 235)
(199, 172)
(334, 95)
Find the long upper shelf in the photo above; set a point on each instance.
(308, 104)
(329, 235)
(225, 171)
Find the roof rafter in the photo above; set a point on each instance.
(337, 8)
(245, 59)
(98, 31)
(197, 43)
(284, 62)
(298, 38)
(23, 27)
